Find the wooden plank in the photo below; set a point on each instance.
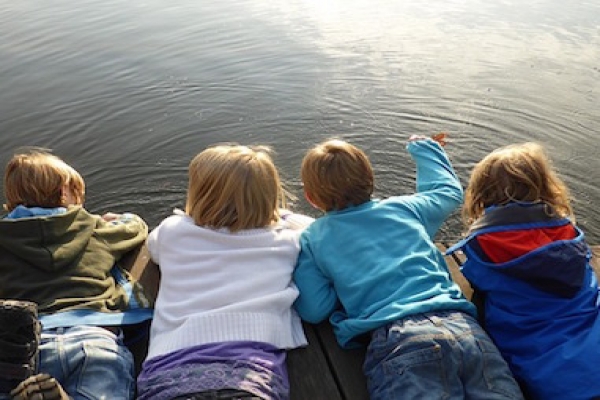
(146, 273)
(346, 365)
(454, 262)
(309, 372)
(143, 270)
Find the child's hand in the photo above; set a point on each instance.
(415, 138)
(441, 138)
(110, 216)
(41, 386)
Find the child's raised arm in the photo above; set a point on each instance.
(439, 191)
(122, 232)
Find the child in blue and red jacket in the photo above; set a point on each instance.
(531, 263)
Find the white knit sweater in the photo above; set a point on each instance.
(220, 286)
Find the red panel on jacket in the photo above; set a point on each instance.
(507, 245)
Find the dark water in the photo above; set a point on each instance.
(129, 92)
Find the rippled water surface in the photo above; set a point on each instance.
(129, 92)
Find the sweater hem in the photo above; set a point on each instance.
(282, 331)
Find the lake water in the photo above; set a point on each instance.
(129, 92)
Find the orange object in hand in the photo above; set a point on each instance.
(441, 138)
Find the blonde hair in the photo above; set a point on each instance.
(516, 173)
(337, 174)
(235, 187)
(37, 179)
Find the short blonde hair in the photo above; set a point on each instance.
(37, 178)
(515, 173)
(235, 187)
(337, 174)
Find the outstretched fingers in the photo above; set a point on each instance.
(39, 387)
(441, 138)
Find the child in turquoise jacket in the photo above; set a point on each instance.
(372, 267)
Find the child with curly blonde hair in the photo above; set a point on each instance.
(532, 265)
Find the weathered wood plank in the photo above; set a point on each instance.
(346, 365)
(310, 375)
(143, 270)
(454, 262)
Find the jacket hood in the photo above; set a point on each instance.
(527, 243)
(48, 242)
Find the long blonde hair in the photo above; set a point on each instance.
(337, 174)
(37, 178)
(235, 187)
(515, 173)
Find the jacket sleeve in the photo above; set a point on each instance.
(438, 191)
(123, 234)
(317, 299)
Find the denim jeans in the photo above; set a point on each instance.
(90, 362)
(440, 355)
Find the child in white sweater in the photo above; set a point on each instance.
(223, 316)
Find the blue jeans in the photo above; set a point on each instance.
(440, 355)
(89, 362)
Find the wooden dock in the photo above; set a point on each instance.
(322, 370)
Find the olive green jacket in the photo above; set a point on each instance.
(66, 264)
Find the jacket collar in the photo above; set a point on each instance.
(511, 216)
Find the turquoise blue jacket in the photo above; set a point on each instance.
(371, 264)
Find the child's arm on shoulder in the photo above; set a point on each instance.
(317, 299)
(122, 232)
(434, 170)
(439, 191)
(295, 221)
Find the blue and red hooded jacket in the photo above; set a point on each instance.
(541, 302)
